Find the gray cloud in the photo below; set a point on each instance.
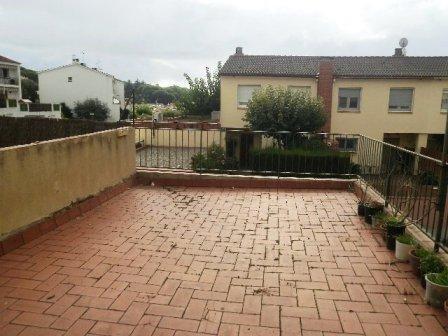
(159, 40)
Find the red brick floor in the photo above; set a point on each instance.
(176, 261)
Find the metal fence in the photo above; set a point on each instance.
(247, 152)
(409, 182)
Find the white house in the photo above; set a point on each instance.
(11, 102)
(77, 82)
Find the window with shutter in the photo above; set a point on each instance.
(245, 93)
(400, 100)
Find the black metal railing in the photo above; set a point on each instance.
(247, 152)
(409, 182)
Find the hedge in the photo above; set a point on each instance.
(301, 161)
(20, 131)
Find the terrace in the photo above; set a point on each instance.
(162, 254)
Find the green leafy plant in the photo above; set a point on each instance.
(214, 158)
(406, 239)
(279, 109)
(93, 109)
(420, 252)
(439, 278)
(394, 221)
(431, 263)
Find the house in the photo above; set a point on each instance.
(399, 99)
(11, 102)
(77, 82)
(10, 88)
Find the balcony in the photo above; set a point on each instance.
(196, 253)
(9, 81)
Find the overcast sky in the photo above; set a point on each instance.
(159, 40)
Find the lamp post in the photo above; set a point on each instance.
(441, 199)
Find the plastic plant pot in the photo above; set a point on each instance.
(435, 294)
(390, 242)
(402, 251)
(415, 262)
(361, 209)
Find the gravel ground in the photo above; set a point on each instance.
(163, 157)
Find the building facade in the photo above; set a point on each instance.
(77, 82)
(11, 102)
(10, 86)
(400, 99)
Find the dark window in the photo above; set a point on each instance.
(4, 72)
(2, 100)
(56, 107)
(349, 99)
(12, 103)
(70, 79)
(348, 144)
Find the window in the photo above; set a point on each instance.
(5, 72)
(347, 144)
(2, 100)
(12, 103)
(23, 107)
(349, 99)
(445, 100)
(56, 107)
(245, 93)
(304, 89)
(400, 100)
(70, 79)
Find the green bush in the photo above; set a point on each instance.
(300, 160)
(421, 253)
(440, 278)
(143, 110)
(405, 239)
(431, 264)
(214, 159)
(92, 109)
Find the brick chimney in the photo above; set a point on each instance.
(325, 89)
(398, 52)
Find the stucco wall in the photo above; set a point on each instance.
(40, 179)
(86, 83)
(231, 114)
(373, 119)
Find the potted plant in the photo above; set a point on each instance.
(362, 200)
(378, 219)
(431, 263)
(437, 288)
(403, 245)
(393, 226)
(415, 257)
(371, 209)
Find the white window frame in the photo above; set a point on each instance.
(411, 105)
(347, 108)
(442, 109)
(242, 104)
(301, 88)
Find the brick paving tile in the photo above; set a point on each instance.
(213, 261)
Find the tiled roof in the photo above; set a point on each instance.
(344, 66)
(7, 60)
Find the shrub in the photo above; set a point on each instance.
(405, 239)
(299, 160)
(214, 158)
(279, 109)
(144, 110)
(66, 111)
(92, 109)
(440, 278)
(421, 253)
(431, 264)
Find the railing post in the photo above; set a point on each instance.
(441, 199)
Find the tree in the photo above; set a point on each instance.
(203, 96)
(162, 97)
(29, 89)
(66, 111)
(144, 110)
(91, 109)
(278, 109)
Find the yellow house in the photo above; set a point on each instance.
(400, 99)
